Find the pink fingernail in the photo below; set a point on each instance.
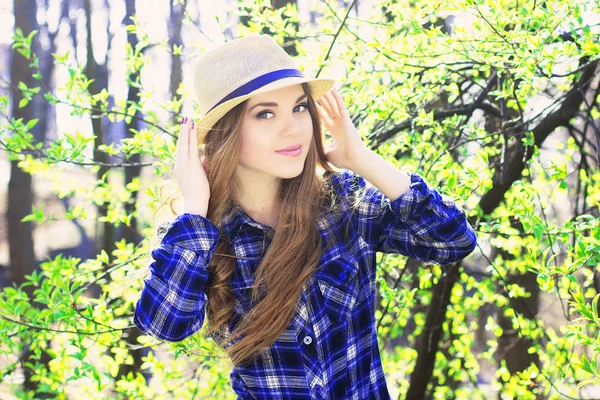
(193, 124)
(184, 120)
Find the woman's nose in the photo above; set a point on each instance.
(292, 126)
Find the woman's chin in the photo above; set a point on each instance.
(285, 173)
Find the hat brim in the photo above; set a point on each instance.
(318, 86)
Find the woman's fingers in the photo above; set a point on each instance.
(324, 115)
(183, 141)
(326, 102)
(178, 145)
(325, 105)
(187, 142)
(333, 103)
(193, 142)
(188, 127)
(339, 103)
(180, 140)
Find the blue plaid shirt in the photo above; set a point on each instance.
(330, 348)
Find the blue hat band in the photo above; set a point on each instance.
(259, 82)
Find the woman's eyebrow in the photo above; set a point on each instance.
(274, 104)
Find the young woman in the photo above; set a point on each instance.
(276, 246)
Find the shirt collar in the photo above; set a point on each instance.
(235, 218)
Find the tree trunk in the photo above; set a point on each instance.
(20, 194)
(174, 26)
(130, 234)
(99, 73)
(429, 341)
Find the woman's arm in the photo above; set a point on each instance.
(401, 213)
(172, 303)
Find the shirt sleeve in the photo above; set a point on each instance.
(422, 223)
(171, 306)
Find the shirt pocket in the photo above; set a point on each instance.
(338, 282)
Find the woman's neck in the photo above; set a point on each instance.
(259, 198)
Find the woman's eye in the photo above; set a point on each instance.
(305, 105)
(260, 114)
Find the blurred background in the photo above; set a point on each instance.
(494, 102)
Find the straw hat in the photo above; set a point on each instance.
(231, 73)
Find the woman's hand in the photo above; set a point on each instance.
(190, 171)
(347, 144)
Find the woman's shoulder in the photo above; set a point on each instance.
(348, 185)
(344, 181)
(343, 189)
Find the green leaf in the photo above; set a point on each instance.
(31, 123)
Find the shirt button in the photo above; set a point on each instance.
(342, 276)
(307, 340)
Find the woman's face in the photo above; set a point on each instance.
(266, 128)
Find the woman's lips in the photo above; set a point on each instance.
(290, 153)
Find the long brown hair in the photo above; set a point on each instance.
(293, 254)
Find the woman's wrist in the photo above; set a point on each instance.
(195, 207)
